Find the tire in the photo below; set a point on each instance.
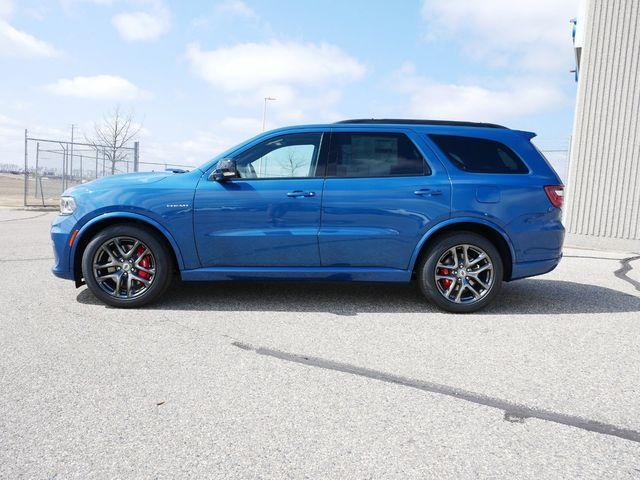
(143, 280)
(483, 272)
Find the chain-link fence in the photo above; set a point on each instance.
(52, 166)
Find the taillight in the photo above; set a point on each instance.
(555, 194)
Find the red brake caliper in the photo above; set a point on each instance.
(145, 262)
(446, 283)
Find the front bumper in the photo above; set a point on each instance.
(61, 230)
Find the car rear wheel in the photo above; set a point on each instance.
(126, 266)
(462, 272)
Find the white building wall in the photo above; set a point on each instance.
(603, 196)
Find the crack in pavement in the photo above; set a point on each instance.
(513, 412)
(624, 269)
(37, 259)
(24, 218)
(613, 259)
(622, 272)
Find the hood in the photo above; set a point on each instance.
(128, 178)
(119, 180)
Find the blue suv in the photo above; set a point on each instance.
(460, 207)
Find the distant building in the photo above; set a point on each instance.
(603, 195)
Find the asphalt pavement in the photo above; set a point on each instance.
(317, 380)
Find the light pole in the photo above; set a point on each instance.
(264, 112)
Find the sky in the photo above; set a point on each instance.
(195, 73)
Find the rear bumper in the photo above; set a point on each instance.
(531, 269)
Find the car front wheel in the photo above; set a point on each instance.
(462, 272)
(126, 266)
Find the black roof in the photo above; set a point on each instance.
(410, 121)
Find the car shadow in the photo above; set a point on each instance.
(523, 297)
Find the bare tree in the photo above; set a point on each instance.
(115, 132)
(291, 164)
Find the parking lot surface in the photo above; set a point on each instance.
(309, 380)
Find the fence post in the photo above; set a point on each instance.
(35, 194)
(26, 166)
(71, 160)
(136, 156)
(64, 168)
(96, 163)
(41, 191)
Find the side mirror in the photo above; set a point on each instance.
(225, 170)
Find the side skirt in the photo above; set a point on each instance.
(349, 274)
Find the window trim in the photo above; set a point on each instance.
(509, 150)
(426, 168)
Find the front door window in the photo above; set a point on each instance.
(285, 156)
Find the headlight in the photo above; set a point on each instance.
(67, 205)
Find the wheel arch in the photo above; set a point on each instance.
(100, 222)
(489, 230)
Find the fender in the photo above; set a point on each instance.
(135, 216)
(452, 221)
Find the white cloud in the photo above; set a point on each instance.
(5, 120)
(71, 3)
(248, 66)
(99, 87)
(236, 11)
(38, 12)
(11, 141)
(237, 8)
(303, 77)
(516, 98)
(16, 43)
(10, 129)
(6, 8)
(12, 137)
(143, 25)
(241, 124)
(201, 146)
(531, 35)
(194, 151)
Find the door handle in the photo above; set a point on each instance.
(427, 192)
(300, 193)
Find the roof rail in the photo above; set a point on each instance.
(393, 121)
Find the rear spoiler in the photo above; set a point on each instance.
(527, 135)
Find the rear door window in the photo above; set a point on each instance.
(373, 154)
(479, 155)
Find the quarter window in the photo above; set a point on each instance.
(374, 155)
(285, 156)
(479, 155)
